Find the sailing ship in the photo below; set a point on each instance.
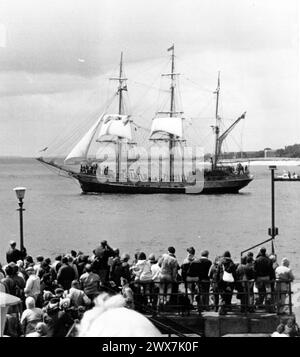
(114, 131)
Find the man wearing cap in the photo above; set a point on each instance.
(13, 254)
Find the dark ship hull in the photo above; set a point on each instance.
(229, 184)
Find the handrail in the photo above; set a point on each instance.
(257, 245)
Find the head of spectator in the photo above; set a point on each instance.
(73, 253)
(103, 244)
(88, 268)
(142, 256)
(244, 260)
(191, 250)
(125, 257)
(41, 328)
(47, 261)
(249, 260)
(152, 259)
(171, 250)
(9, 270)
(280, 328)
(101, 320)
(65, 260)
(39, 258)
(75, 284)
(12, 244)
(262, 252)
(30, 302)
(29, 260)
(59, 292)
(227, 254)
(58, 258)
(285, 262)
(205, 253)
(20, 263)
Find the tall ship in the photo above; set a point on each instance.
(163, 162)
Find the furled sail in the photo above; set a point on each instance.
(115, 125)
(79, 152)
(169, 125)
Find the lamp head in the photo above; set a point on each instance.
(273, 167)
(20, 192)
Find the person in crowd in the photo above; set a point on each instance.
(31, 316)
(241, 284)
(21, 270)
(203, 267)
(226, 275)
(143, 274)
(20, 282)
(264, 273)
(82, 260)
(90, 282)
(127, 294)
(250, 278)
(37, 266)
(250, 255)
(13, 254)
(56, 264)
(66, 274)
(116, 270)
(40, 330)
(77, 296)
(291, 328)
(33, 284)
(125, 271)
(9, 282)
(189, 273)
(58, 321)
(279, 331)
(28, 262)
(73, 266)
(284, 277)
(213, 276)
(168, 275)
(12, 327)
(102, 253)
(101, 320)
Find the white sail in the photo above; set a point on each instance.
(80, 150)
(169, 125)
(115, 125)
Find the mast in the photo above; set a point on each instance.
(172, 110)
(120, 112)
(217, 128)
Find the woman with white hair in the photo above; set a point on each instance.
(284, 276)
(109, 318)
(31, 316)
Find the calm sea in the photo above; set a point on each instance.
(59, 218)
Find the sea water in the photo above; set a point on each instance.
(58, 217)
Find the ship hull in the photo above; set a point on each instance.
(90, 184)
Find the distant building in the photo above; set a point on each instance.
(268, 152)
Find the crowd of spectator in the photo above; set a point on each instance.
(55, 294)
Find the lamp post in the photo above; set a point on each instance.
(20, 193)
(273, 231)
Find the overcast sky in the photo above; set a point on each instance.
(55, 55)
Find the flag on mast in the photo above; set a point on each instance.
(171, 48)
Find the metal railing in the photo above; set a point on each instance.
(242, 296)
